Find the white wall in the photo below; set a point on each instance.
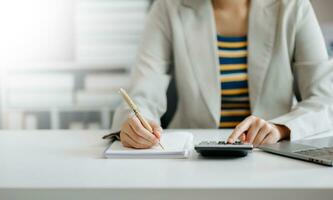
(324, 10)
(37, 30)
(43, 30)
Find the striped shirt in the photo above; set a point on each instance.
(235, 103)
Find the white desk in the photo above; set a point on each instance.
(69, 165)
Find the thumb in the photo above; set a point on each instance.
(157, 129)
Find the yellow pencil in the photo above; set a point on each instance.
(135, 109)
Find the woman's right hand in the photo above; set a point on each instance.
(134, 135)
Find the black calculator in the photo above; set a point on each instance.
(223, 149)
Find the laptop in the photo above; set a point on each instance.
(318, 151)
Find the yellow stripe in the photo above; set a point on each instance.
(241, 77)
(228, 124)
(233, 67)
(241, 105)
(235, 91)
(235, 112)
(231, 54)
(232, 44)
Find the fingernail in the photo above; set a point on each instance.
(158, 134)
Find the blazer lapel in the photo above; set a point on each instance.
(261, 35)
(200, 35)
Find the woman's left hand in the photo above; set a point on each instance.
(257, 131)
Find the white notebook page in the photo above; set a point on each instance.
(176, 144)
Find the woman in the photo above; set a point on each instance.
(238, 64)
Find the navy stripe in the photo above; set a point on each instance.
(232, 48)
(224, 61)
(221, 38)
(226, 127)
(235, 95)
(234, 85)
(233, 71)
(232, 118)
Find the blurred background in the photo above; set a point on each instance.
(61, 61)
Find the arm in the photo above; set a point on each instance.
(149, 80)
(313, 78)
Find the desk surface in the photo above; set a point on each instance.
(73, 159)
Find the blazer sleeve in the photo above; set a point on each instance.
(149, 79)
(313, 78)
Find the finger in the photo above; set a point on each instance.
(240, 129)
(157, 129)
(270, 139)
(135, 137)
(254, 129)
(140, 142)
(126, 140)
(136, 125)
(263, 132)
(122, 139)
(242, 137)
(125, 144)
(139, 139)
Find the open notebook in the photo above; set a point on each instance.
(176, 144)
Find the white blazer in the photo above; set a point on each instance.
(286, 55)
